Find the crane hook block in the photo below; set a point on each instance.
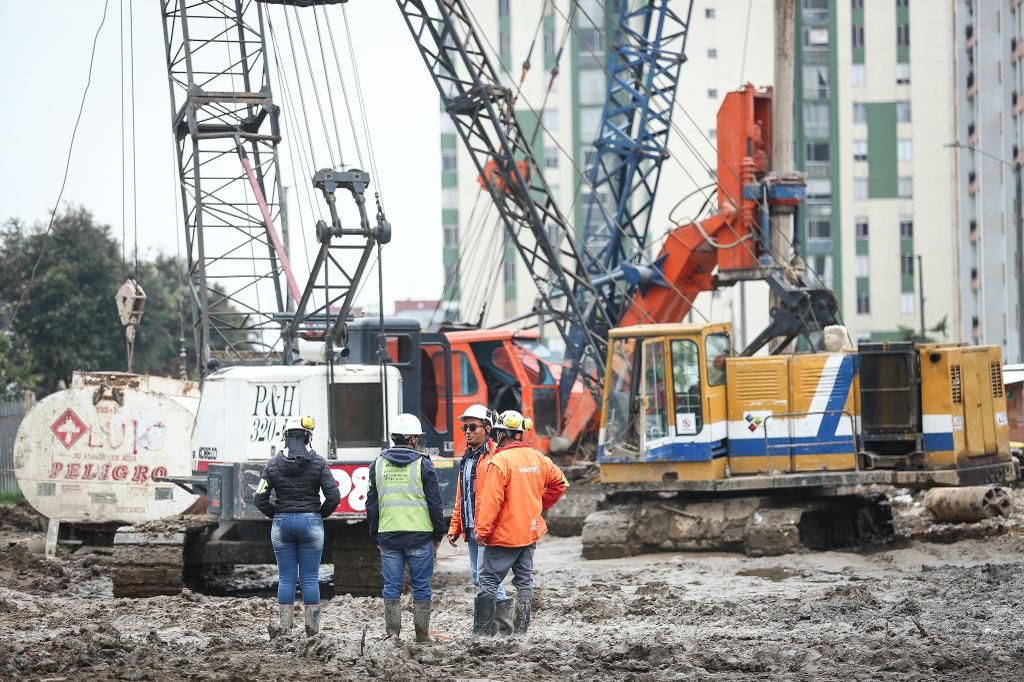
(131, 299)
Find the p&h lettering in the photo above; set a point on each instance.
(274, 401)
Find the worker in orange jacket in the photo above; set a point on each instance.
(477, 421)
(518, 485)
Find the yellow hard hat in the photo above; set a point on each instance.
(511, 420)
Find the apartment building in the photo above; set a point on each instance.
(874, 116)
(989, 45)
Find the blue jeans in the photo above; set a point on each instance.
(421, 569)
(476, 552)
(298, 544)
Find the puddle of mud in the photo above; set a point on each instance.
(776, 574)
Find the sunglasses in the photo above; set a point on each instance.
(470, 428)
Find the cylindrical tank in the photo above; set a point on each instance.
(92, 452)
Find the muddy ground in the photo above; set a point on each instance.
(930, 606)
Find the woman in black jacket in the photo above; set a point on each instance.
(297, 475)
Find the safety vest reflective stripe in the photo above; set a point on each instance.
(400, 497)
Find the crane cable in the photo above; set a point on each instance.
(579, 172)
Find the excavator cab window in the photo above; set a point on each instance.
(716, 350)
(621, 433)
(655, 395)
(686, 387)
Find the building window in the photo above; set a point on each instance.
(819, 229)
(712, 93)
(816, 151)
(448, 163)
(450, 234)
(907, 303)
(821, 265)
(902, 73)
(860, 150)
(906, 228)
(863, 303)
(712, 133)
(590, 123)
(860, 112)
(902, 112)
(503, 8)
(819, 189)
(815, 38)
(858, 36)
(905, 187)
(550, 119)
(861, 228)
(904, 149)
(903, 4)
(816, 118)
(902, 35)
(712, 53)
(860, 189)
(551, 157)
(591, 47)
(549, 44)
(907, 264)
(449, 198)
(856, 4)
(709, 13)
(815, 82)
(863, 265)
(592, 87)
(857, 75)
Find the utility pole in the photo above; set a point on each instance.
(920, 290)
(781, 236)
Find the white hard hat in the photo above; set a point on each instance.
(304, 423)
(477, 411)
(406, 424)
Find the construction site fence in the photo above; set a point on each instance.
(11, 414)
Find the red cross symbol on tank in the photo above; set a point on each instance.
(68, 428)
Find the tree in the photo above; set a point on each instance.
(17, 373)
(68, 317)
(910, 334)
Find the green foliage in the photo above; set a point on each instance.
(68, 320)
(910, 334)
(10, 498)
(17, 371)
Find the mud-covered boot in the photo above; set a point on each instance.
(421, 620)
(393, 617)
(523, 604)
(483, 616)
(503, 616)
(285, 620)
(312, 619)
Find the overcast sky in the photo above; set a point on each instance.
(45, 47)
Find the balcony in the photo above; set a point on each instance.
(972, 182)
(975, 283)
(972, 134)
(1016, 49)
(972, 86)
(971, 39)
(972, 231)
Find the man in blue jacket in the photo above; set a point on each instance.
(406, 519)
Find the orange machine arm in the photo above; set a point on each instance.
(729, 239)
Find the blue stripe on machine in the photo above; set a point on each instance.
(672, 452)
(784, 447)
(837, 399)
(936, 442)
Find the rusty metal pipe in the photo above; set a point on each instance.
(964, 505)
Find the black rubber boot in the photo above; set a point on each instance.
(483, 616)
(393, 617)
(522, 623)
(503, 615)
(421, 620)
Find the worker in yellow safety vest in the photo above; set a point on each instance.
(406, 519)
